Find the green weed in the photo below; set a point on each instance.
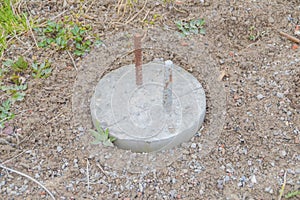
(20, 65)
(14, 88)
(252, 34)
(5, 113)
(102, 136)
(192, 27)
(14, 68)
(292, 194)
(154, 19)
(65, 36)
(41, 70)
(15, 92)
(255, 34)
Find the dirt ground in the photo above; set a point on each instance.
(248, 146)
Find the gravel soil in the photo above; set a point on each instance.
(248, 147)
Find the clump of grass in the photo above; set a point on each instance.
(11, 23)
(195, 26)
(65, 36)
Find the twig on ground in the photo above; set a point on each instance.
(102, 170)
(56, 116)
(137, 13)
(72, 59)
(87, 10)
(289, 37)
(63, 12)
(30, 178)
(16, 36)
(119, 6)
(4, 162)
(147, 13)
(282, 187)
(30, 29)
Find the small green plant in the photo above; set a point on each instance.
(252, 34)
(15, 68)
(292, 194)
(5, 113)
(20, 65)
(255, 34)
(155, 18)
(15, 92)
(195, 26)
(41, 70)
(102, 136)
(65, 36)
(13, 86)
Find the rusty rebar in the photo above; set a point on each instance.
(138, 59)
(167, 92)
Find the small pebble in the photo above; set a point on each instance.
(253, 179)
(59, 149)
(269, 190)
(37, 175)
(271, 20)
(280, 95)
(227, 179)
(220, 184)
(283, 153)
(260, 97)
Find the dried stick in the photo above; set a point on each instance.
(136, 13)
(283, 186)
(30, 29)
(72, 59)
(102, 170)
(289, 37)
(10, 159)
(30, 178)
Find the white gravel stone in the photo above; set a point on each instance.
(260, 97)
(283, 153)
(269, 190)
(253, 179)
(193, 145)
(280, 95)
(59, 149)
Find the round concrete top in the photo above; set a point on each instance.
(139, 117)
